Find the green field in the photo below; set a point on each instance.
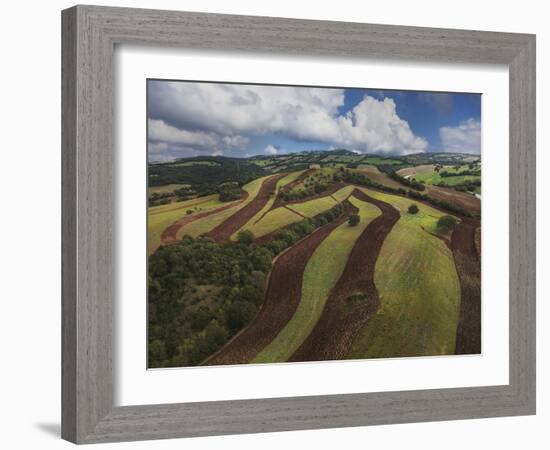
(273, 220)
(321, 274)
(343, 193)
(433, 177)
(161, 217)
(419, 290)
(282, 182)
(313, 207)
(204, 225)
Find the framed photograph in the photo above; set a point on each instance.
(277, 224)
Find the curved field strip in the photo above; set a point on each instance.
(269, 205)
(281, 300)
(341, 194)
(313, 207)
(169, 235)
(161, 217)
(354, 298)
(320, 275)
(468, 264)
(187, 204)
(223, 231)
(419, 290)
(273, 221)
(198, 227)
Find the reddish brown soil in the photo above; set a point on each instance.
(468, 266)
(224, 231)
(460, 199)
(284, 291)
(169, 235)
(340, 322)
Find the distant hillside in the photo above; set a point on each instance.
(205, 173)
(212, 170)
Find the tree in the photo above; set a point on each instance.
(413, 209)
(446, 223)
(354, 220)
(239, 314)
(245, 237)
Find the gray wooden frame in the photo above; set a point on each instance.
(89, 36)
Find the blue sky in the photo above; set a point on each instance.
(190, 119)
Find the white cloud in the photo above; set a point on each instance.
(233, 112)
(235, 141)
(464, 138)
(159, 131)
(374, 126)
(271, 150)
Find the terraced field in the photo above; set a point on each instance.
(321, 273)
(342, 272)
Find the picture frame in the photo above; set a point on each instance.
(90, 34)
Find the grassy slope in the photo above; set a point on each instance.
(423, 168)
(278, 218)
(160, 217)
(164, 189)
(377, 160)
(313, 207)
(426, 174)
(321, 274)
(322, 174)
(282, 182)
(419, 290)
(343, 193)
(206, 224)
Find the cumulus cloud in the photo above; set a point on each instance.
(232, 114)
(374, 126)
(271, 150)
(160, 132)
(463, 138)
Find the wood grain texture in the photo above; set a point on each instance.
(89, 36)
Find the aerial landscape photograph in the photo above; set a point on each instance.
(291, 224)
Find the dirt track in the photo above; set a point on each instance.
(468, 266)
(169, 235)
(224, 231)
(283, 295)
(333, 334)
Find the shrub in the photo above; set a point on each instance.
(413, 209)
(354, 220)
(446, 223)
(245, 237)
